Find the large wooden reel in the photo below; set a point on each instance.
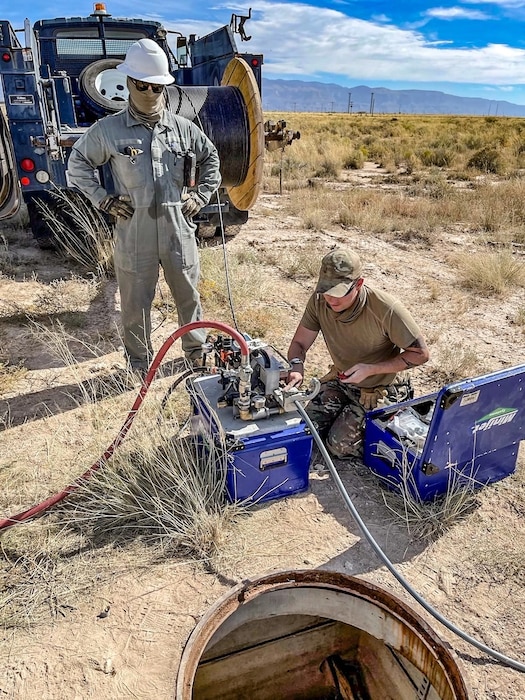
(231, 116)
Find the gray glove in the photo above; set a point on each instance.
(117, 206)
(191, 204)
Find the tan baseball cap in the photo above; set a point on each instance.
(339, 270)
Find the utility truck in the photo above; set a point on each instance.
(61, 77)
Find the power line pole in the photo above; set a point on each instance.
(372, 103)
(349, 108)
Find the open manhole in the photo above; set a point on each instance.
(316, 634)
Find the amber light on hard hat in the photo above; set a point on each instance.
(27, 165)
(100, 7)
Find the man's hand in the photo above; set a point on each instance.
(369, 398)
(190, 204)
(356, 374)
(117, 206)
(295, 379)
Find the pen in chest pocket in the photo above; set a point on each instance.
(132, 152)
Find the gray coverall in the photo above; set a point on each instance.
(148, 165)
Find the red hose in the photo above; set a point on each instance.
(52, 500)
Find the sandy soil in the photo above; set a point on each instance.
(134, 651)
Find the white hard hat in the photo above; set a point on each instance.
(145, 60)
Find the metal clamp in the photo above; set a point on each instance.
(286, 399)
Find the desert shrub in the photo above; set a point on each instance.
(329, 167)
(354, 160)
(488, 160)
(439, 157)
(434, 185)
(410, 163)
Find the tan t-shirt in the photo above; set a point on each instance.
(374, 329)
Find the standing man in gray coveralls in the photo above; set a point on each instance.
(146, 147)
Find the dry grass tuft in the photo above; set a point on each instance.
(10, 375)
(503, 561)
(169, 492)
(490, 272)
(63, 295)
(42, 573)
(519, 317)
(163, 491)
(251, 288)
(80, 231)
(456, 361)
(429, 520)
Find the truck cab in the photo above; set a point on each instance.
(63, 78)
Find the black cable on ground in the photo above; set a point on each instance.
(507, 661)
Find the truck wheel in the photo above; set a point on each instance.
(103, 87)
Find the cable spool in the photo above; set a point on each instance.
(231, 117)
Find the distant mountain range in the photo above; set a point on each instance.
(301, 96)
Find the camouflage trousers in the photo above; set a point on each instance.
(339, 417)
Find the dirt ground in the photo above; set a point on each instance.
(135, 650)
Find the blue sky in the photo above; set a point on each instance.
(474, 48)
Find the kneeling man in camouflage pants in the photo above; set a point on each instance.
(371, 338)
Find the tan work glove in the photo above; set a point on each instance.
(369, 398)
(117, 206)
(191, 204)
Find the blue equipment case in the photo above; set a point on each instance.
(466, 434)
(268, 458)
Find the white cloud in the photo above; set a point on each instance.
(309, 42)
(455, 13)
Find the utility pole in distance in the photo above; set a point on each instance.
(372, 103)
(349, 108)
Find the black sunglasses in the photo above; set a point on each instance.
(142, 86)
(351, 288)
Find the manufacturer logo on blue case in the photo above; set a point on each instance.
(499, 416)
